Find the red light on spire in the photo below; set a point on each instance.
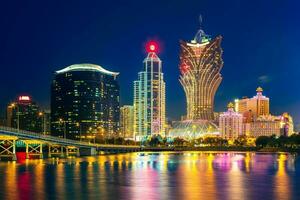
(152, 46)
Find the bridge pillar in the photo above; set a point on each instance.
(55, 150)
(34, 148)
(8, 147)
(91, 151)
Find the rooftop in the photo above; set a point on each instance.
(86, 67)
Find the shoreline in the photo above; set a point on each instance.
(223, 149)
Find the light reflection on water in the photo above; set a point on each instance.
(166, 175)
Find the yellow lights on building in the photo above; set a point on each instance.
(200, 66)
(257, 120)
(253, 107)
(126, 121)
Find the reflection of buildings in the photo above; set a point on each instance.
(257, 118)
(85, 102)
(231, 123)
(126, 121)
(24, 114)
(200, 66)
(149, 97)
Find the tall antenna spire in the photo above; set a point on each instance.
(200, 36)
(200, 20)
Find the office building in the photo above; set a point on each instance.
(85, 103)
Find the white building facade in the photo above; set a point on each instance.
(231, 123)
(149, 99)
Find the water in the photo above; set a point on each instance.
(146, 176)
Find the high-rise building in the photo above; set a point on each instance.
(85, 103)
(24, 114)
(126, 122)
(149, 96)
(231, 123)
(200, 66)
(253, 107)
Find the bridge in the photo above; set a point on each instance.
(60, 147)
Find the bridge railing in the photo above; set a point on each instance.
(37, 136)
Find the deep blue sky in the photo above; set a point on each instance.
(260, 41)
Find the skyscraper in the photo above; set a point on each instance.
(85, 103)
(200, 66)
(24, 114)
(126, 121)
(149, 96)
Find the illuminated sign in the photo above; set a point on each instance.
(24, 98)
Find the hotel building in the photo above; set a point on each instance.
(200, 66)
(231, 123)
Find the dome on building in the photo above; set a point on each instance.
(190, 129)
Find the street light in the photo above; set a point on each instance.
(13, 105)
(79, 125)
(41, 114)
(64, 122)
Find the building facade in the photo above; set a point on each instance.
(149, 97)
(85, 103)
(200, 66)
(253, 107)
(263, 126)
(24, 114)
(231, 123)
(126, 122)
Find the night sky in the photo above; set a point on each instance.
(260, 42)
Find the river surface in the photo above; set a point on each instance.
(146, 176)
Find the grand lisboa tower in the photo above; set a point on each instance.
(200, 66)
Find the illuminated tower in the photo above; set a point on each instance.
(149, 96)
(200, 66)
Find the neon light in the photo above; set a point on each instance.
(24, 98)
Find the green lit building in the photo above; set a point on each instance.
(85, 103)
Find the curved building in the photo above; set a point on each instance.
(200, 66)
(85, 103)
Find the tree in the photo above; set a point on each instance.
(262, 141)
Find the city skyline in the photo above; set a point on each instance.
(272, 79)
